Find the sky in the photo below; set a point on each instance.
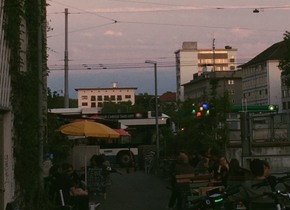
(110, 40)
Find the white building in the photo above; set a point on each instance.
(262, 78)
(96, 97)
(191, 60)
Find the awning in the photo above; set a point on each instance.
(122, 132)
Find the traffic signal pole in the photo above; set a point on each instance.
(246, 135)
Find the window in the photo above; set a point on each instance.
(100, 98)
(231, 92)
(84, 104)
(93, 98)
(100, 104)
(93, 104)
(84, 97)
(106, 98)
(232, 60)
(113, 98)
(284, 106)
(231, 82)
(119, 97)
(127, 96)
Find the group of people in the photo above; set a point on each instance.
(228, 173)
(68, 188)
(65, 187)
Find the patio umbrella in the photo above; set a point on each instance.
(88, 129)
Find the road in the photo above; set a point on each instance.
(135, 191)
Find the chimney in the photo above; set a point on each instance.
(115, 84)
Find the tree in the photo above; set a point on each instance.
(284, 63)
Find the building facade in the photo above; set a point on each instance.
(7, 183)
(191, 60)
(229, 82)
(262, 78)
(96, 97)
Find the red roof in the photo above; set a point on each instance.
(168, 97)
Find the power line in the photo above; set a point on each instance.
(196, 26)
(114, 21)
(82, 29)
(85, 11)
(116, 66)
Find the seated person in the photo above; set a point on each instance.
(252, 191)
(71, 193)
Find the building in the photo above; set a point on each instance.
(228, 82)
(191, 60)
(262, 78)
(95, 98)
(23, 112)
(168, 97)
(7, 182)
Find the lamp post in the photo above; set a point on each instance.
(156, 106)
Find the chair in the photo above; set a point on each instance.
(97, 182)
(64, 206)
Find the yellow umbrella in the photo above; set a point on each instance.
(88, 129)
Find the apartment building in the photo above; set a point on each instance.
(97, 97)
(262, 78)
(227, 82)
(191, 60)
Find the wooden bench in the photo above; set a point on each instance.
(188, 178)
(189, 185)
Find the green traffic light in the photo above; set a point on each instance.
(271, 107)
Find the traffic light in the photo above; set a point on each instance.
(193, 111)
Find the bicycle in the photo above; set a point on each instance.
(214, 200)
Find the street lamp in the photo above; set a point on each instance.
(156, 105)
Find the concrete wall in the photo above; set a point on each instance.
(278, 156)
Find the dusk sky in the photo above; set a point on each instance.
(109, 40)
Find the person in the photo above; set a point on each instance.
(236, 175)
(221, 171)
(72, 195)
(182, 167)
(132, 162)
(267, 169)
(252, 192)
(202, 167)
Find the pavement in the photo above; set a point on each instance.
(135, 191)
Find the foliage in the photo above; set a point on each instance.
(25, 98)
(55, 100)
(197, 134)
(284, 63)
(142, 104)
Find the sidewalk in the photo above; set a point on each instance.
(135, 191)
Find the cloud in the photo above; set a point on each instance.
(113, 33)
(241, 32)
(88, 34)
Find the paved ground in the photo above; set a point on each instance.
(135, 191)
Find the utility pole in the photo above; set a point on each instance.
(213, 54)
(40, 89)
(156, 108)
(66, 95)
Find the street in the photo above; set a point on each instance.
(135, 191)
